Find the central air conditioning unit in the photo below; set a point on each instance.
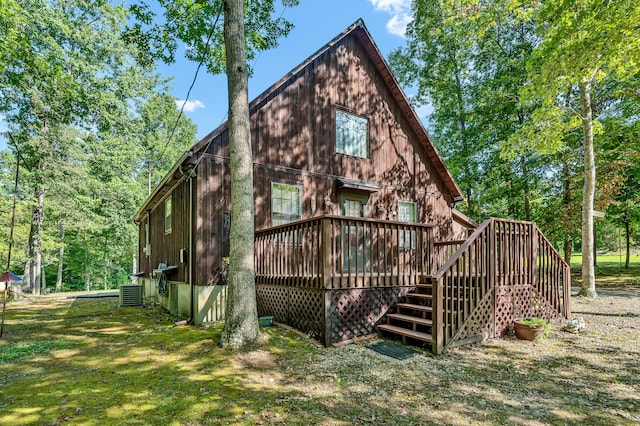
(130, 295)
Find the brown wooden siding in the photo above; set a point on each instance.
(293, 135)
(165, 247)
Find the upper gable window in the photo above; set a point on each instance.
(352, 134)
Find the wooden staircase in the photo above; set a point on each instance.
(414, 317)
(505, 270)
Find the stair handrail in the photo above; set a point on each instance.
(476, 233)
(548, 271)
(441, 330)
(565, 304)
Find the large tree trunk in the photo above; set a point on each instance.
(35, 242)
(588, 287)
(241, 317)
(60, 261)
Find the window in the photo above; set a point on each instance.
(167, 214)
(352, 134)
(407, 213)
(147, 236)
(354, 205)
(286, 203)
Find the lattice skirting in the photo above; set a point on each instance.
(302, 308)
(355, 312)
(479, 322)
(521, 301)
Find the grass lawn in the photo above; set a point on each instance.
(610, 271)
(88, 362)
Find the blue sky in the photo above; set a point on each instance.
(316, 22)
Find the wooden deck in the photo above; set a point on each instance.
(339, 278)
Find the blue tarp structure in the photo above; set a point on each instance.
(8, 277)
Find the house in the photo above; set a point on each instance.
(354, 213)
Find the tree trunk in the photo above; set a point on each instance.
(26, 278)
(105, 264)
(568, 249)
(241, 317)
(134, 264)
(60, 261)
(568, 240)
(627, 236)
(87, 272)
(588, 288)
(35, 241)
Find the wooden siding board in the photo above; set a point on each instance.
(294, 129)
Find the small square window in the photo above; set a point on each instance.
(352, 134)
(167, 214)
(407, 213)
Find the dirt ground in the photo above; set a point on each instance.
(87, 362)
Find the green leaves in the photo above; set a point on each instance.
(199, 25)
(86, 116)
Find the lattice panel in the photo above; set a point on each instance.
(480, 321)
(306, 310)
(520, 301)
(355, 312)
(297, 307)
(272, 301)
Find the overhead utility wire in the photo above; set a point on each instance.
(195, 77)
(255, 61)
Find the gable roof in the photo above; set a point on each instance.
(358, 30)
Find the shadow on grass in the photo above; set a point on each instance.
(132, 366)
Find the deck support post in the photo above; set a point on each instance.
(327, 261)
(437, 331)
(327, 317)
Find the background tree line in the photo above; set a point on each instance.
(93, 123)
(519, 88)
(525, 95)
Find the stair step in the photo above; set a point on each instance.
(406, 332)
(409, 318)
(425, 287)
(415, 307)
(419, 296)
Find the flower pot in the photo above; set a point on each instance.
(527, 332)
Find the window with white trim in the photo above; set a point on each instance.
(286, 203)
(352, 134)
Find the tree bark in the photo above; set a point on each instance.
(35, 242)
(588, 288)
(60, 261)
(241, 317)
(627, 236)
(568, 240)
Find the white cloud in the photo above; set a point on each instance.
(400, 11)
(189, 106)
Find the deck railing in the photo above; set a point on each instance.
(344, 252)
(505, 269)
(443, 250)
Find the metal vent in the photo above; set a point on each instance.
(130, 295)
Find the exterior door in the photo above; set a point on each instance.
(356, 239)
